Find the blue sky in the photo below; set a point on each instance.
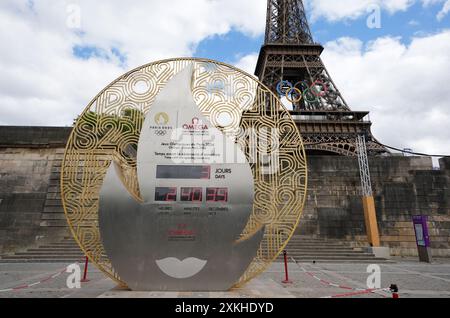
(417, 21)
(229, 47)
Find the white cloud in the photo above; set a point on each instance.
(445, 10)
(413, 23)
(333, 10)
(43, 83)
(248, 63)
(404, 87)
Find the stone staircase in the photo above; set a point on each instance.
(64, 251)
(305, 249)
(53, 217)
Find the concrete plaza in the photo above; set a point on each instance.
(309, 280)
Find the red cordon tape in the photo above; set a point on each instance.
(358, 291)
(363, 292)
(53, 276)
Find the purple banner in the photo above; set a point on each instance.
(421, 229)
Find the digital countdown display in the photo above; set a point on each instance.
(165, 194)
(194, 194)
(183, 172)
(217, 195)
(191, 194)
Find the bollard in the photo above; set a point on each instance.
(286, 281)
(86, 263)
(394, 291)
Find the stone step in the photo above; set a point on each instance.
(43, 257)
(316, 252)
(347, 254)
(329, 256)
(318, 248)
(293, 241)
(64, 251)
(357, 254)
(48, 253)
(336, 258)
(54, 209)
(54, 223)
(315, 241)
(300, 252)
(314, 248)
(340, 247)
(342, 261)
(51, 249)
(317, 244)
(307, 249)
(55, 249)
(308, 239)
(301, 258)
(49, 261)
(61, 245)
(53, 203)
(53, 216)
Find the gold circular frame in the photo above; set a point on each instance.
(110, 127)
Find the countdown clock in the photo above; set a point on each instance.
(171, 181)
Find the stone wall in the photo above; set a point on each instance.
(31, 211)
(28, 157)
(403, 187)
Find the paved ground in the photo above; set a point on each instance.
(320, 280)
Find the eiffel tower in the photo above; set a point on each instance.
(289, 64)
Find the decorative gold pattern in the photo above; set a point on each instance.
(110, 126)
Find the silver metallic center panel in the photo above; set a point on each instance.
(198, 191)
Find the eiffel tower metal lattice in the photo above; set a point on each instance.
(290, 65)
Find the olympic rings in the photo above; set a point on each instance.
(311, 93)
(281, 86)
(160, 133)
(289, 95)
(309, 97)
(319, 83)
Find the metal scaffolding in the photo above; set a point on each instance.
(364, 169)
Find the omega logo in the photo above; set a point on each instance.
(196, 124)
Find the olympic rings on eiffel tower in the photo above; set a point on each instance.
(295, 93)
